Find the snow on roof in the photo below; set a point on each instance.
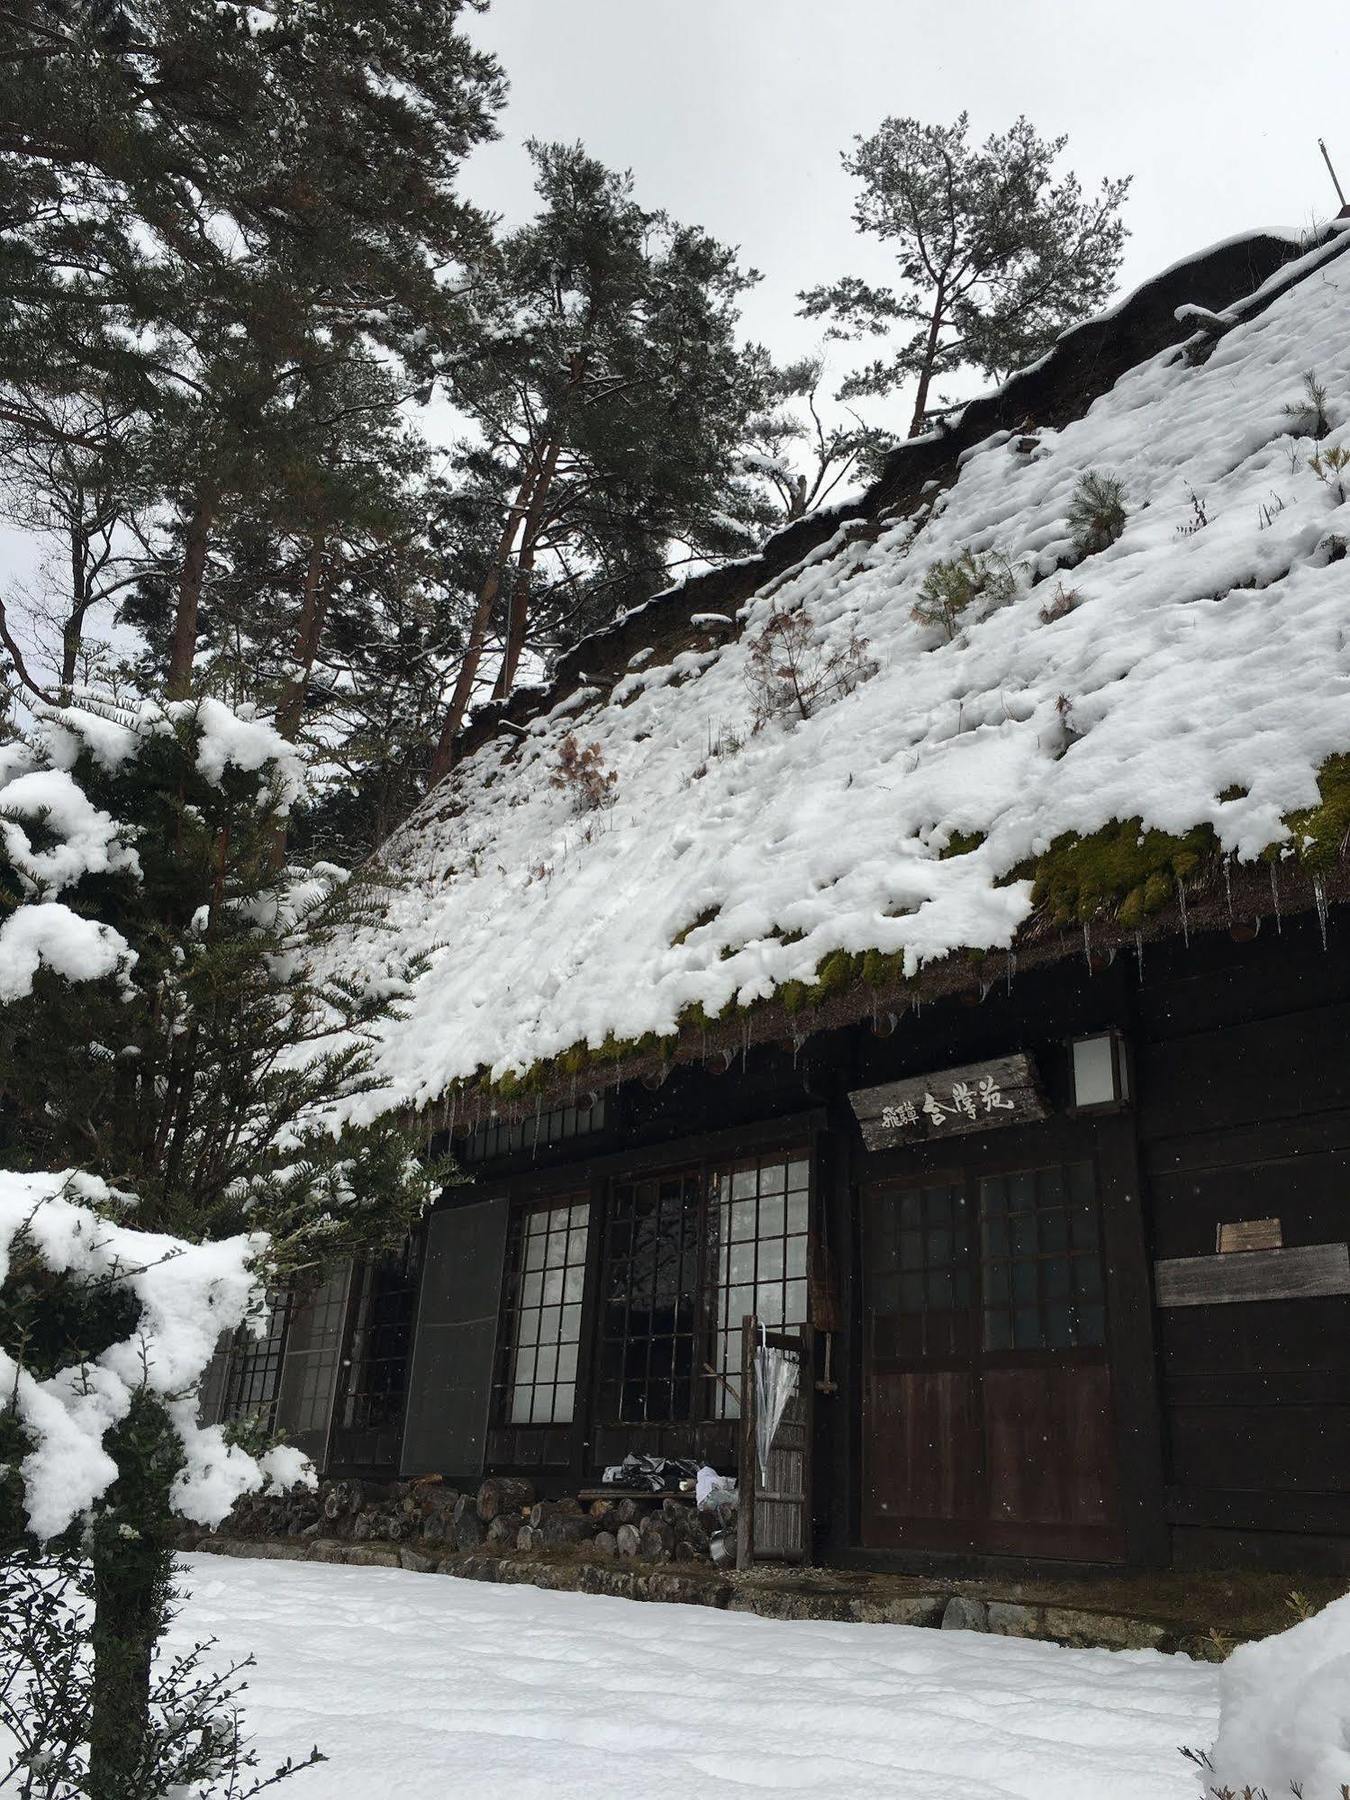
(1198, 673)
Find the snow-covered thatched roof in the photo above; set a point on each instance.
(1081, 749)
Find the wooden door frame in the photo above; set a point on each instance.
(1110, 1143)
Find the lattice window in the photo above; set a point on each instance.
(314, 1369)
(377, 1356)
(759, 1217)
(547, 1259)
(253, 1378)
(1040, 1257)
(653, 1338)
(554, 1126)
(688, 1255)
(917, 1278)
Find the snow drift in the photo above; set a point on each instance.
(1284, 1711)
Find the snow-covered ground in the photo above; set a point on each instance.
(424, 1687)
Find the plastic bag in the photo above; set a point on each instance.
(714, 1493)
(776, 1374)
(657, 1474)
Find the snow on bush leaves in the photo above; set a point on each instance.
(185, 1294)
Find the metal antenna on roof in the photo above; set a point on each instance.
(1326, 158)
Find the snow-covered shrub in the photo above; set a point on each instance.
(580, 771)
(105, 1331)
(163, 1033)
(1284, 1712)
(1096, 516)
(953, 585)
(791, 672)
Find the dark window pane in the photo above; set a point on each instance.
(1027, 1328)
(1059, 1333)
(939, 1248)
(1055, 1282)
(1091, 1325)
(1054, 1229)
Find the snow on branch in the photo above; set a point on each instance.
(187, 1296)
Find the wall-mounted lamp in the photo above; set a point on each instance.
(1101, 1072)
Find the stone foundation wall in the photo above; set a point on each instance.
(502, 1515)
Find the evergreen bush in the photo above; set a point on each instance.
(1096, 513)
(953, 585)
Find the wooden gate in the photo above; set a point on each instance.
(774, 1521)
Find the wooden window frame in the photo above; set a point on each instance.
(514, 1309)
(570, 1448)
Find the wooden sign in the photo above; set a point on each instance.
(951, 1103)
(1301, 1273)
(1250, 1234)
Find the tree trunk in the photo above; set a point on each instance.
(926, 368)
(443, 759)
(131, 1582)
(72, 632)
(179, 684)
(131, 1563)
(313, 611)
(518, 618)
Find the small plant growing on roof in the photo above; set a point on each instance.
(1332, 468)
(1096, 513)
(580, 771)
(791, 673)
(1199, 516)
(953, 585)
(1060, 605)
(1308, 417)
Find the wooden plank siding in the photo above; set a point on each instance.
(1244, 1113)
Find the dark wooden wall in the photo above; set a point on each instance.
(1243, 1070)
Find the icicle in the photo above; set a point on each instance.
(538, 1117)
(1320, 901)
(1228, 887)
(1011, 969)
(1185, 922)
(1139, 951)
(1087, 943)
(745, 1044)
(1275, 896)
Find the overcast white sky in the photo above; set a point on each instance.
(731, 113)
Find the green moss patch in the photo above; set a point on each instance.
(1121, 869)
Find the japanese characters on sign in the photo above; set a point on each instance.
(977, 1098)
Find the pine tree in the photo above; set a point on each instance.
(798, 456)
(203, 200)
(608, 417)
(995, 255)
